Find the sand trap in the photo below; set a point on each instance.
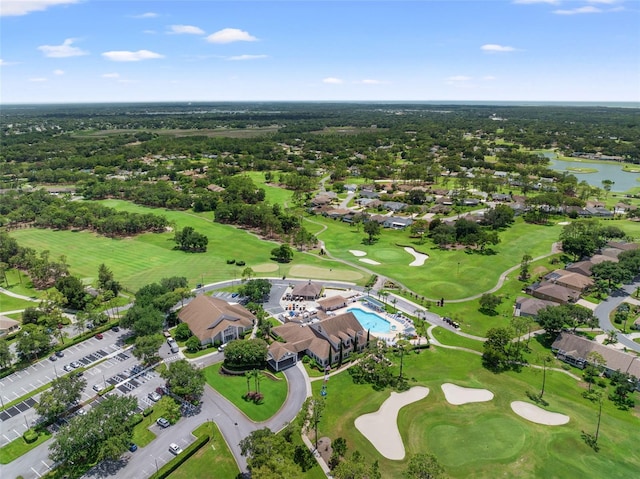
(357, 252)
(420, 258)
(458, 395)
(564, 223)
(265, 268)
(381, 427)
(368, 261)
(533, 413)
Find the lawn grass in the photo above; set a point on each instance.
(212, 460)
(19, 447)
(141, 433)
(9, 303)
(487, 440)
(147, 258)
(234, 389)
(19, 283)
(450, 338)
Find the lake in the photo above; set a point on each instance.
(623, 180)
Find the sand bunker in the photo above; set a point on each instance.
(564, 223)
(381, 427)
(533, 413)
(458, 395)
(368, 261)
(420, 258)
(357, 252)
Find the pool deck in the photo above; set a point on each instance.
(307, 311)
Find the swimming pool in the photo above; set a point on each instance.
(371, 321)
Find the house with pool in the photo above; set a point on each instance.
(329, 341)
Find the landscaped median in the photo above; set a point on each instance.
(22, 445)
(272, 387)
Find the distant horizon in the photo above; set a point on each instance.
(487, 51)
(620, 104)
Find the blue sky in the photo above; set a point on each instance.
(58, 51)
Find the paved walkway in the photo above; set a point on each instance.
(18, 296)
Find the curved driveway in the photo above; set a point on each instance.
(604, 309)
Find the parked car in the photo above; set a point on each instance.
(53, 357)
(162, 422)
(98, 387)
(222, 346)
(154, 396)
(99, 336)
(170, 340)
(75, 364)
(68, 367)
(174, 448)
(59, 354)
(133, 447)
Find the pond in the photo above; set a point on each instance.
(623, 180)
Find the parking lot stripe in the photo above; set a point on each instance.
(37, 473)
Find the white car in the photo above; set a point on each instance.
(154, 396)
(174, 448)
(98, 387)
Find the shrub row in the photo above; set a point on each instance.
(177, 461)
(372, 281)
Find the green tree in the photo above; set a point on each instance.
(143, 320)
(182, 332)
(255, 290)
(103, 433)
(73, 291)
(282, 254)
(185, 380)
(146, 347)
(64, 392)
(106, 282)
(524, 266)
(266, 451)
(489, 302)
(193, 344)
(32, 340)
(496, 349)
(611, 272)
(372, 229)
(424, 466)
(355, 467)
(188, 239)
(246, 354)
(6, 356)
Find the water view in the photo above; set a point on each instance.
(623, 180)
(371, 321)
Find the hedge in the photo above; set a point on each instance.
(177, 461)
(147, 411)
(30, 436)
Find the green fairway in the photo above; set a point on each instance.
(488, 440)
(149, 257)
(449, 274)
(235, 387)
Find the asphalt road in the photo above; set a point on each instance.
(605, 308)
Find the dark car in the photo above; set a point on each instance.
(115, 329)
(133, 447)
(162, 422)
(53, 358)
(59, 354)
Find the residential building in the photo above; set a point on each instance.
(213, 320)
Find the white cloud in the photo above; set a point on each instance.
(146, 15)
(489, 78)
(459, 78)
(229, 35)
(186, 29)
(332, 81)
(5, 63)
(529, 2)
(62, 51)
(605, 2)
(127, 56)
(493, 48)
(370, 81)
(149, 32)
(247, 57)
(111, 75)
(58, 72)
(38, 79)
(578, 11)
(9, 8)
